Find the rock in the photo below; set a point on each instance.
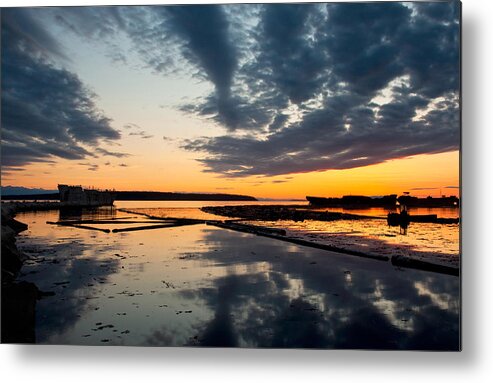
(12, 258)
(18, 312)
(8, 220)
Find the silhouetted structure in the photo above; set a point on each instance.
(354, 201)
(76, 196)
(401, 219)
(443, 201)
(391, 200)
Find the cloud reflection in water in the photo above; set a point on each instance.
(378, 307)
(205, 286)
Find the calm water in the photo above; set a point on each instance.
(199, 204)
(442, 212)
(437, 243)
(203, 286)
(190, 209)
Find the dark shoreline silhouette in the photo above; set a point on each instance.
(385, 201)
(143, 196)
(301, 213)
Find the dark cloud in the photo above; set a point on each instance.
(95, 24)
(105, 152)
(88, 21)
(141, 134)
(288, 57)
(165, 38)
(438, 12)
(23, 30)
(204, 31)
(381, 82)
(91, 167)
(360, 44)
(265, 82)
(297, 87)
(136, 130)
(46, 111)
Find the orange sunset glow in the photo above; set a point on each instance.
(263, 175)
(432, 172)
(157, 114)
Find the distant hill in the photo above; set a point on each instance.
(142, 196)
(20, 190)
(167, 196)
(31, 197)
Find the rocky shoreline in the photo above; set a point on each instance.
(280, 212)
(18, 298)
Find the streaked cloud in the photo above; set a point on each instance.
(296, 87)
(381, 83)
(47, 112)
(136, 130)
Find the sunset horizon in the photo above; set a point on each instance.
(392, 177)
(151, 111)
(371, 180)
(278, 175)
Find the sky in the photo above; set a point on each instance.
(269, 100)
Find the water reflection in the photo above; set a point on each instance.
(205, 286)
(442, 212)
(75, 213)
(66, 267)
(436, 243)
(376, 308)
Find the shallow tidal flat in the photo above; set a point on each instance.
(428, 242)
(200, 285)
